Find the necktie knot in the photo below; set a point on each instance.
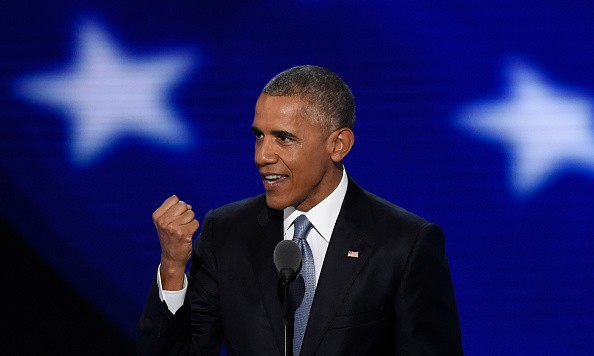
(302, 227)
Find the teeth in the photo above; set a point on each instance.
(272, 176)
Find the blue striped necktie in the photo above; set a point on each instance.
(305, 285)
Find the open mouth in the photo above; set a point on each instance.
(273, 178)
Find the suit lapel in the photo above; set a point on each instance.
(262, 248)
(339, 269)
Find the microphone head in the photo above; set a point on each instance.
(287, 259)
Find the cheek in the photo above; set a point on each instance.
(300, 164)
(310, 170)
(306, 164)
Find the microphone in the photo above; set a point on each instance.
(287, 259)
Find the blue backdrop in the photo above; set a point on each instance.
(476, 115)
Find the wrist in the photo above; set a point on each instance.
(172, 275)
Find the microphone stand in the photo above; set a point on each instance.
(288, 320)
(287, 259)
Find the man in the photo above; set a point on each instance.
(379, 278)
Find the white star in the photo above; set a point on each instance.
(107, 96)
(547, 129)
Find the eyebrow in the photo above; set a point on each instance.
(283, 133)
(277, 133)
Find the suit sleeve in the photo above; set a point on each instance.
(427, 320)
(195, 328)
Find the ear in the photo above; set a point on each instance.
(341, 141)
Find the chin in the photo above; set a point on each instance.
(276, 204)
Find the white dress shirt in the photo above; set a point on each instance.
(322, 217)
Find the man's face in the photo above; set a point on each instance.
(292, 154)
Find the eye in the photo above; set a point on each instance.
(259, 135)
(284, 136)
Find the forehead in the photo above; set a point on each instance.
(279, 107)
(277, 115)
(280, 112)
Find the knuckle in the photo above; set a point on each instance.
(161, 222)
(173, 229)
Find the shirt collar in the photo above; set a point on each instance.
(322, 216)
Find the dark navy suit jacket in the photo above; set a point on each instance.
(395, 298)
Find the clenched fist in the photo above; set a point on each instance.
(176, 225)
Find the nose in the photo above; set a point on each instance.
(265, 152)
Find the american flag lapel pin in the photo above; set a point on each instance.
(353, 254)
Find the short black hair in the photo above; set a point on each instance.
(330, 100)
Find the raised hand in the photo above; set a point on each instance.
(176, 225)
